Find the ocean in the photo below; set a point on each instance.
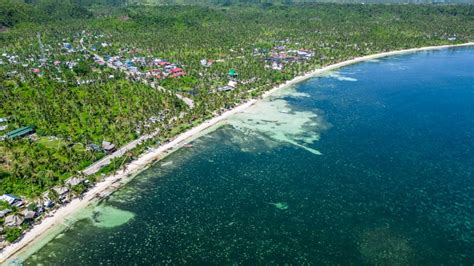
(371, 164)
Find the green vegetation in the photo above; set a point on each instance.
(13, 234)
(48, 80)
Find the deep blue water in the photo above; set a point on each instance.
(395, 183)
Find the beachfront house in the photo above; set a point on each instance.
(108, 147)
(74, 181)
(13, 221)
(28, 215)
(62, 192)
(9, 198)
(20, 132)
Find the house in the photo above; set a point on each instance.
(277, 66)
(61, 191)
(3, 120)
(9, 198)
(67, 46)
(170, 67)
(225, 88)
(28, 215)
(3, 241)
(20, 132)
(18, 203)
(304, 53)
(48, 203)
(74, 181)
(176, 70)
(232, 72)
(3, 213)
(133, 69)
(108, 147)
(13, 221)
(155, 71)
(206, 63)
(2, 128)
(71, 64)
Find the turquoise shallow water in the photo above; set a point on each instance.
(394, 182)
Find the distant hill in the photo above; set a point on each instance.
(16, 11)
(155, 2)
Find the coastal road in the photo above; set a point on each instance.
(95, 167)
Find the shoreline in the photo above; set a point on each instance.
(57, 219)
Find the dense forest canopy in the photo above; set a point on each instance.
(15, 11)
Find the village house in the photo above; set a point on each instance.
(13, 221)
(3, 213)
(62, 192)
(108, 147)
(74, 181)
(225, 88)
(177, 72)
(232, 73)
(206, 62)
(68, 47)
(28, 215)
(277, 66)
(232, 84)
(164, 63)
(9, 198)
(3, 127)
(45, 200)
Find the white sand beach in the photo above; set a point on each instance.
(113, 182)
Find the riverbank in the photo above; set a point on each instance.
(111, 183)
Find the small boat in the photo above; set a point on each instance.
(189, 145)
